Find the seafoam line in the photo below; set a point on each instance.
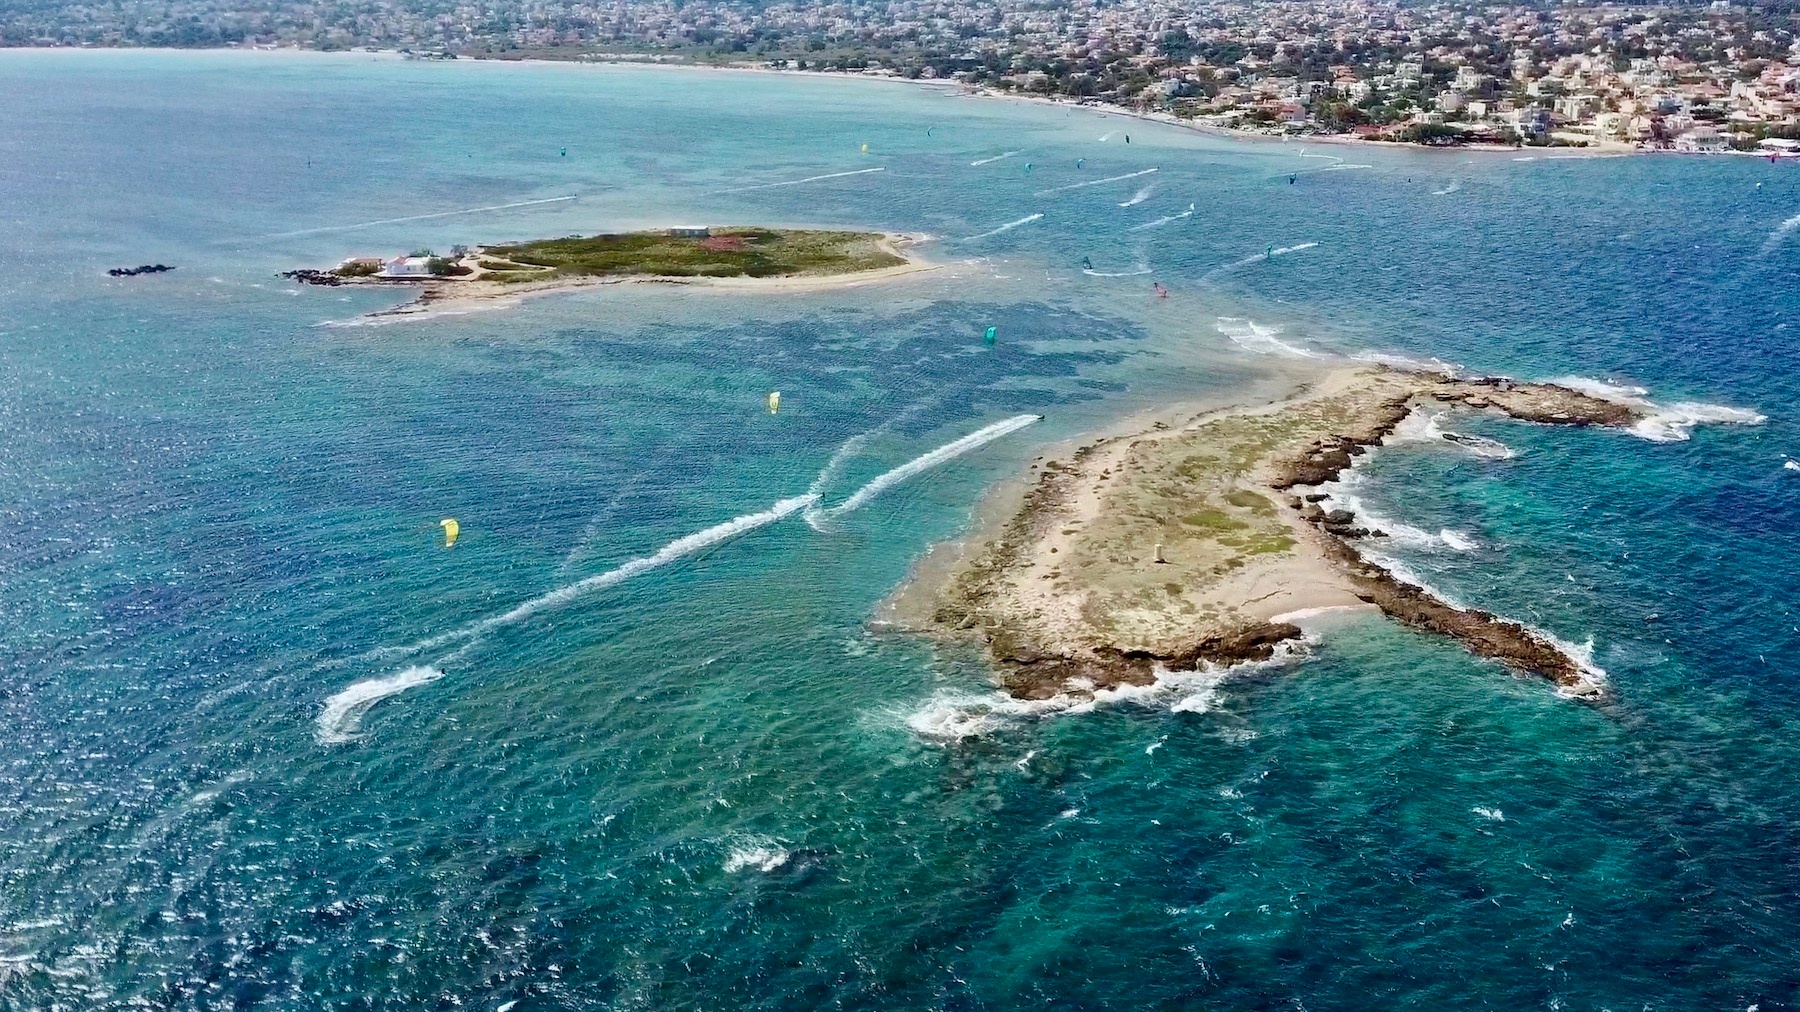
(1095, 182)
(1008, 227)
(808, 179)
(418, 217)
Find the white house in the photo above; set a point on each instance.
(407, 267)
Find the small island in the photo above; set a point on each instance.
(1209, 541)
(746, 256)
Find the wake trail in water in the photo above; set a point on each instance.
(1258, 258)
(1008, 227)
(995, 158)
(416, 217)
(1115, 274)
(341, 719)
(924, 462)
(808, 179)
(1781, 231)
(1452, 188)
(1164, 220)
(668, 553)
(1138, 197)
(1094, 182)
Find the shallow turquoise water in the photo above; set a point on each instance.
(711, 784)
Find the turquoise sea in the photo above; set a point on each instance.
(265, 744)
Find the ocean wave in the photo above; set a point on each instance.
(1670, 423)
(1792, 465)
(817, 517)
(1676, 422)
(418, 217)
(992, 159)
(1491, 814)
(756, 853)
(1406, 363)
(1008, 227)
(341, 719)
(1452, 188)
(1258, 338)
(956, 715)
(1423, 427)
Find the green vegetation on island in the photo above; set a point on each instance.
(683, 253)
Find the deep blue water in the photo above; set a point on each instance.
(710, 784)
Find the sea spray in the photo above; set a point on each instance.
(341, 719)
(1671, 423)
(924, 462)
(1008, 227)
(1139, 197)
(1252, 336)
(1094, 182)
(797, 182)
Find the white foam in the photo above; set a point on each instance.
(1780, 232)
(756, 853)
(341, 719)
(1670, 423)
(956, 715)
(1457, 540)
(1258, 258)
(1452, 188)
(418, 217)
(1008, 227)
(671, 552)
(1094, 182)
(1139, 197)
(1676, 422)
(1258, 338)
(1341, 494)
(1792, 465)
(1164, 220)
(1115, 274)
(995, 158)
(1406, 363)
(797, 182)
(1491, 814)
(924, 462)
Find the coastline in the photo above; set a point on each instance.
(1172, 548)
(453, 296)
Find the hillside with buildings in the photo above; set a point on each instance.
(1712, 77)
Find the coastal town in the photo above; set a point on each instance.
(1716, 77)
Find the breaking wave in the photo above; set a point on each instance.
(1258, 338)
(951, 716)
(1670, 423)
(755, 853)
(1452, 188)
(341, 719)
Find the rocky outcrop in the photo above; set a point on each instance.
(132, 272)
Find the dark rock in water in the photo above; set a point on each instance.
(326, 279)
(1338, 518)
(132, 272)
(1318, 497)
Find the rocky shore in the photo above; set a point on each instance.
(1199, 543)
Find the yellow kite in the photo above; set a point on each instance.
(451, 530)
